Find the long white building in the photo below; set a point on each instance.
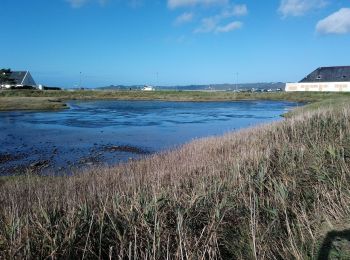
(327, 79)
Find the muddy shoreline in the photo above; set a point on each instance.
(15, 163)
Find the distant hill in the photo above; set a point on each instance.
(219, 87)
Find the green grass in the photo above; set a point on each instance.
(270, 192)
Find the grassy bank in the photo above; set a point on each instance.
(271, 192)
(334, 102)
(9, 98)
(30, 103)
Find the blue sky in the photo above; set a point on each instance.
(181, 41)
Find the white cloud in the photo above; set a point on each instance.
(336, 23)
(236, 10)
(185, 3)
(80, 3)
(229, 27)
(135, 3)
(299, 7)
(207, 25)
(212, 24)
(77, 3)
(184, 18)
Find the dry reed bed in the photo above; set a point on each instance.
(259, 193)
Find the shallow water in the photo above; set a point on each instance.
(107, 132)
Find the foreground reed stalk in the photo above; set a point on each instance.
(261, 193)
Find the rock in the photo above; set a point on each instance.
(40, 164)
(125, 148)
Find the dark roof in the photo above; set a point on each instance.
(329, 74)
(18, 76)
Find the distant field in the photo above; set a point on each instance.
(14, 99)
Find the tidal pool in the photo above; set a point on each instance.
(108, 132)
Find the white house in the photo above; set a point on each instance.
(148, 88)
(19, 79)
(326, 79)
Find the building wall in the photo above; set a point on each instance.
(5, 86)
(319, 86)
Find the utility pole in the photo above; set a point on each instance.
(236, 81)
(79, 79)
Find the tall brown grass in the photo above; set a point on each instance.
(260, 193)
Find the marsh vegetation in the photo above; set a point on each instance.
(42, 100)
(269, 192)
